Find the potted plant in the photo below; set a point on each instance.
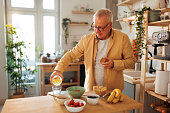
(16, 66)
(140, 32)
(138, 43)
(65, 23)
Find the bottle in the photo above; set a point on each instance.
(56, 80)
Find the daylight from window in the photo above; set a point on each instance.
(22, 3)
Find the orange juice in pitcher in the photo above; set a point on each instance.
(57, 80)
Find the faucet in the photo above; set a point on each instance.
(151, 70)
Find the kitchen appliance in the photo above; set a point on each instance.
(154, 15)
(168, 3)
(163, 39)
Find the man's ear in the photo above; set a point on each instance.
(110, 24)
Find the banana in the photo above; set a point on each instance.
(111, 97)
(115, 100)
(121, 97)
(118, 93)
(115, 96)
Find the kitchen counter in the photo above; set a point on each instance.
(46, 104)
(133, 77)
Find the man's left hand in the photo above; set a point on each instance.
(108, 63)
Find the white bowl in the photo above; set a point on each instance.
(93, 99)
(74, 109)
(61, 98)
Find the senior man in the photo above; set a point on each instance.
(105, 42)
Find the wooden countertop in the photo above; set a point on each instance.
(136, 80)
(46, 104)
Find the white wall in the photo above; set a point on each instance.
(75, 32)
(3, 78)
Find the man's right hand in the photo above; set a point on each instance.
(56, 72)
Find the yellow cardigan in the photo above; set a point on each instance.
(119, 50)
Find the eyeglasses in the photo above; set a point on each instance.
(99, 28)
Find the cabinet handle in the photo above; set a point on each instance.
(69, 65)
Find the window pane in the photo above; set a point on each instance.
(25, 26)
(22, 3)
(49, 34)
(48, 4)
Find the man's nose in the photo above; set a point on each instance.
(97, 30)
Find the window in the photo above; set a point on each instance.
(37, 27)
(22, 3)
(49, 33)
(25, 25)
(49, 4)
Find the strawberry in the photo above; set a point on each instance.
(76, 104)
(71, 102)
(77, 90)
(72, 106)
(81, 104)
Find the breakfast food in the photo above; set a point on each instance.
(75, 104)
(103, 60)
(100, 90)
(115, 96)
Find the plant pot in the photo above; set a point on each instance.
(18, 95)
(138, 66)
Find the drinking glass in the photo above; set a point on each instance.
(56, 90)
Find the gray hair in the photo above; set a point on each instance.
(104, 12)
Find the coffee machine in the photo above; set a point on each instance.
(163, 39)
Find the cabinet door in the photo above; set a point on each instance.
(129, 90)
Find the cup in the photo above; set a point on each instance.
(56, 90)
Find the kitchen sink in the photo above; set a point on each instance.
(137, 74)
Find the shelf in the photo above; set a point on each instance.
(128, 2)
(78, 24)
(131, 18)
(160, 23)
(163, 10)
(151, 58)
(164, 98)
(82, 12)
(63, 84)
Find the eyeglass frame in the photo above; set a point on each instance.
(99, 28)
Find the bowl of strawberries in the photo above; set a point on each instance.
(75, 105)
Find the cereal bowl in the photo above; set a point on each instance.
(100, 90)
(75, 91)
(74, 107)
(92, 99)
(61, 98)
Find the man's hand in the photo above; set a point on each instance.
(108, 63)
(56, 72)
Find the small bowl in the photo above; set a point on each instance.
(61, 98)
(74, 109)
(100, 90)
(92, 99)
(75, 91)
